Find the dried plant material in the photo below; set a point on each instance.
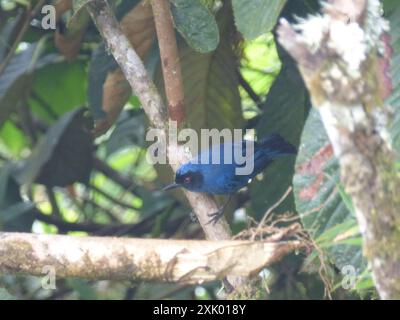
(138, 26)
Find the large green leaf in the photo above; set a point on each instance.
(284, 112)
(15, 81)
(210, 81)
(256, 17)
(59, 87)
(317, 193)
(196, 24)
(6, 34)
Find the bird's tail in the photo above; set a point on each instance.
(275, 146)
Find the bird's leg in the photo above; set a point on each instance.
(218, 215)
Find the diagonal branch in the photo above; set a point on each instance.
(169, 60)
(144, 88)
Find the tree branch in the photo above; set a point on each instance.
(30, 14)
(144, 88)
(340, 57)
(170, 60)
(184, 261)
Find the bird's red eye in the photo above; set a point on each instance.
(187, 180)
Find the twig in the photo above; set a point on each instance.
(29, 16)
(169, 60)
(28, 124)
(108, 211)
(44, 105)
(272, 208)
(113, 199)
(114, 175)
(53, 201)
(110, 229)
(144, 88)
(249, 90)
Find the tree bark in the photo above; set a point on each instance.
(96, 258)
(170, 61)
(144, 88)
(343, 57)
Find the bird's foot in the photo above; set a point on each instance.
(219, 214)
(215, 216)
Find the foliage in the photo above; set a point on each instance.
(59, 176)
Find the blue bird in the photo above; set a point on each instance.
(202, 175)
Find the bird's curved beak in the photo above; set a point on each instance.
(171, 186)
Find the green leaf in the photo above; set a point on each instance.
(212, 98)
(210, 81)
(256, 17)
(64, 155)
(60, 87)
(6, 35)
(78, 8)
(13, 138)
(15, 81)
(322, 210)
(130, 129)
(196, 24)
(284, 112)
(5, 295)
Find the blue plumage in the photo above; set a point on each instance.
(201, 174)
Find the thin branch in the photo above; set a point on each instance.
(29, 16)
(27, 123)
(249, 90)
(144, 88)
(272, 208)
(183, 261)
(112, 198)
(169, 60)
(110, 229)
(53, 201)
(114, 175)
(44, 105)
